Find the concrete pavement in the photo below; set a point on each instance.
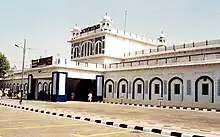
(21, 123)
(185, 121)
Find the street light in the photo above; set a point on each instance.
(23, 62)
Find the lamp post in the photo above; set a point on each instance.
(23, 63)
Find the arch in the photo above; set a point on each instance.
(169, 86)
(14, 87)
(17, 87)
(45, 87)
(39, 85)
(123, 79)
(50, 88)
(106, 82)
(98, 47)
(196, 87)
(25, 87)
(89, 47)
(133, 87)
(150, 84)
(83, 49)
(76, 50)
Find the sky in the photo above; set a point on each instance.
(46, 24)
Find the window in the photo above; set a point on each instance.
(123, 88)
(109, 88)
(157, 88)
(176, 88)
(71, 51)
(139, 88)
(205, 89)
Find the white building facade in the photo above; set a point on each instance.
(135, 69)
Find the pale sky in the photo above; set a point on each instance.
(46, 24)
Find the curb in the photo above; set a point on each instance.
(168, 107)
(103, 122)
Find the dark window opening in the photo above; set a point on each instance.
(71, 51)
(100, 48)
(157, 88)
(96, 48)
(123, 88)
(139, 88)
(176, 88)
(109, 88)
(205, 89)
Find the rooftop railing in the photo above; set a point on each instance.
(166, 61)
(170, 48)
(118, 32)
(74, 64)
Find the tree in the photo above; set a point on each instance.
(4, 65)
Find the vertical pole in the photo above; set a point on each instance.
(125, 25)
(22, 77)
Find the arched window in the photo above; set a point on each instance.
(76, 52)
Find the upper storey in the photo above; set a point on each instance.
(104, 26)
(102, 44)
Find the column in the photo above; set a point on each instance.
(30, 88)
(59, 87)
(100, 87)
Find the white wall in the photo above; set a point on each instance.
(165, 74)
(116, 46)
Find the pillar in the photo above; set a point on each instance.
(30, 88)
(59, 87)
(100, 87)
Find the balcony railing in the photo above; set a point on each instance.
(116, 32)
(170, 48)
(201, 58)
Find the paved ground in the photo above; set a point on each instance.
(19, 123)
(149, 117)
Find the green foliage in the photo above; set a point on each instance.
(4, 65)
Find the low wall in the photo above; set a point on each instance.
(166, 103)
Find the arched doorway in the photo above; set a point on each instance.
(122, 88)
(83, 88)
(157, 85)
(109, 88)
(45, 92)
(50, 89)
(138, 89)
(204, 89)
(175, 89)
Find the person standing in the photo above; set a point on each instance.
(72, 96)
(90, 96)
